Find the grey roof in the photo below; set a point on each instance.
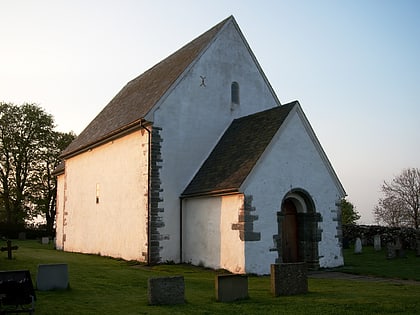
(139, 96)
(237, 152)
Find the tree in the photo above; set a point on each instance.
(401, 202)
(45, 198)
(349, 214)
(24, 134)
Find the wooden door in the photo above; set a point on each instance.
(290, 239)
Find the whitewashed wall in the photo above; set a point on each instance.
(193, 118)
(291, 161)
(208, 238)
(116, 225)
(59, 219)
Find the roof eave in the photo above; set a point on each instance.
(135, 125)
(211, 193)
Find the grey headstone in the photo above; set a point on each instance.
(391, 251)
(231, 287)
(52, 277)
(358, 246)
(22, 236)
(289, 279)
(418, 244)
(377, 242)
(45, 240)
(166, 290)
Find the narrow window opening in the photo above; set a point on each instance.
(235, 93)
(97, 193)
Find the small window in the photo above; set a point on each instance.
(235, 93)
(97, 193)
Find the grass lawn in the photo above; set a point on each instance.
(374, 263)
(100, 285)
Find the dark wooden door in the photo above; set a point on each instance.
(290, 233)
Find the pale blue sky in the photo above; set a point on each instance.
(353, 65)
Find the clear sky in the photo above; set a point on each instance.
(353, 65)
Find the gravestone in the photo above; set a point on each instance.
(346, 243)
(52, 277)
(418, 244)
(17, 293)
(377, 242)
(358, 246)
(399, 249)
(166, 290)
(391, 252)
(22, 236)
(45, 240)
(231, 287)
(289, 279)
(9, 249)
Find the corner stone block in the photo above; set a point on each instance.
(231, 287)
(166, 290)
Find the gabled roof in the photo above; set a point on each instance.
(237, 152)
(139, 96)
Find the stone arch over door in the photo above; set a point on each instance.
(298, 232)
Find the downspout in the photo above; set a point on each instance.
(149, 153)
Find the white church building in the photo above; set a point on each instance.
(196, 161)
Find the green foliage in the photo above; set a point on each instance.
(29, 149)
(349, 214)
(100, 285)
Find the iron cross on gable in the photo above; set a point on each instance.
(9, 249)
(203, 79)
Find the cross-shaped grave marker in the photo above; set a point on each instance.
(9, 249)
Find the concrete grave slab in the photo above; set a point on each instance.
(358, 246)
(166, 290)
(289, 278)
(45, 240)
(231, 287)
(52, 277)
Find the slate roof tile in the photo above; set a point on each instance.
(237, 152)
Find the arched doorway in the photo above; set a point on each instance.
(298, 232)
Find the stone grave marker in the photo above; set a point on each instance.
(418, 244)
(45, 240)
(358, 246)
(377, 242)
(231, 287)
(289, 279)
(52, 277)
(166, 290)
(22, 236)
(9, 249)
(391, 252)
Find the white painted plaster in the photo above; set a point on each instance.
(59, 219)
(116, 173)
(291, 161)
(208, 238)
(194, 117)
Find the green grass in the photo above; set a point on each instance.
(374, 263)
(100, 285)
